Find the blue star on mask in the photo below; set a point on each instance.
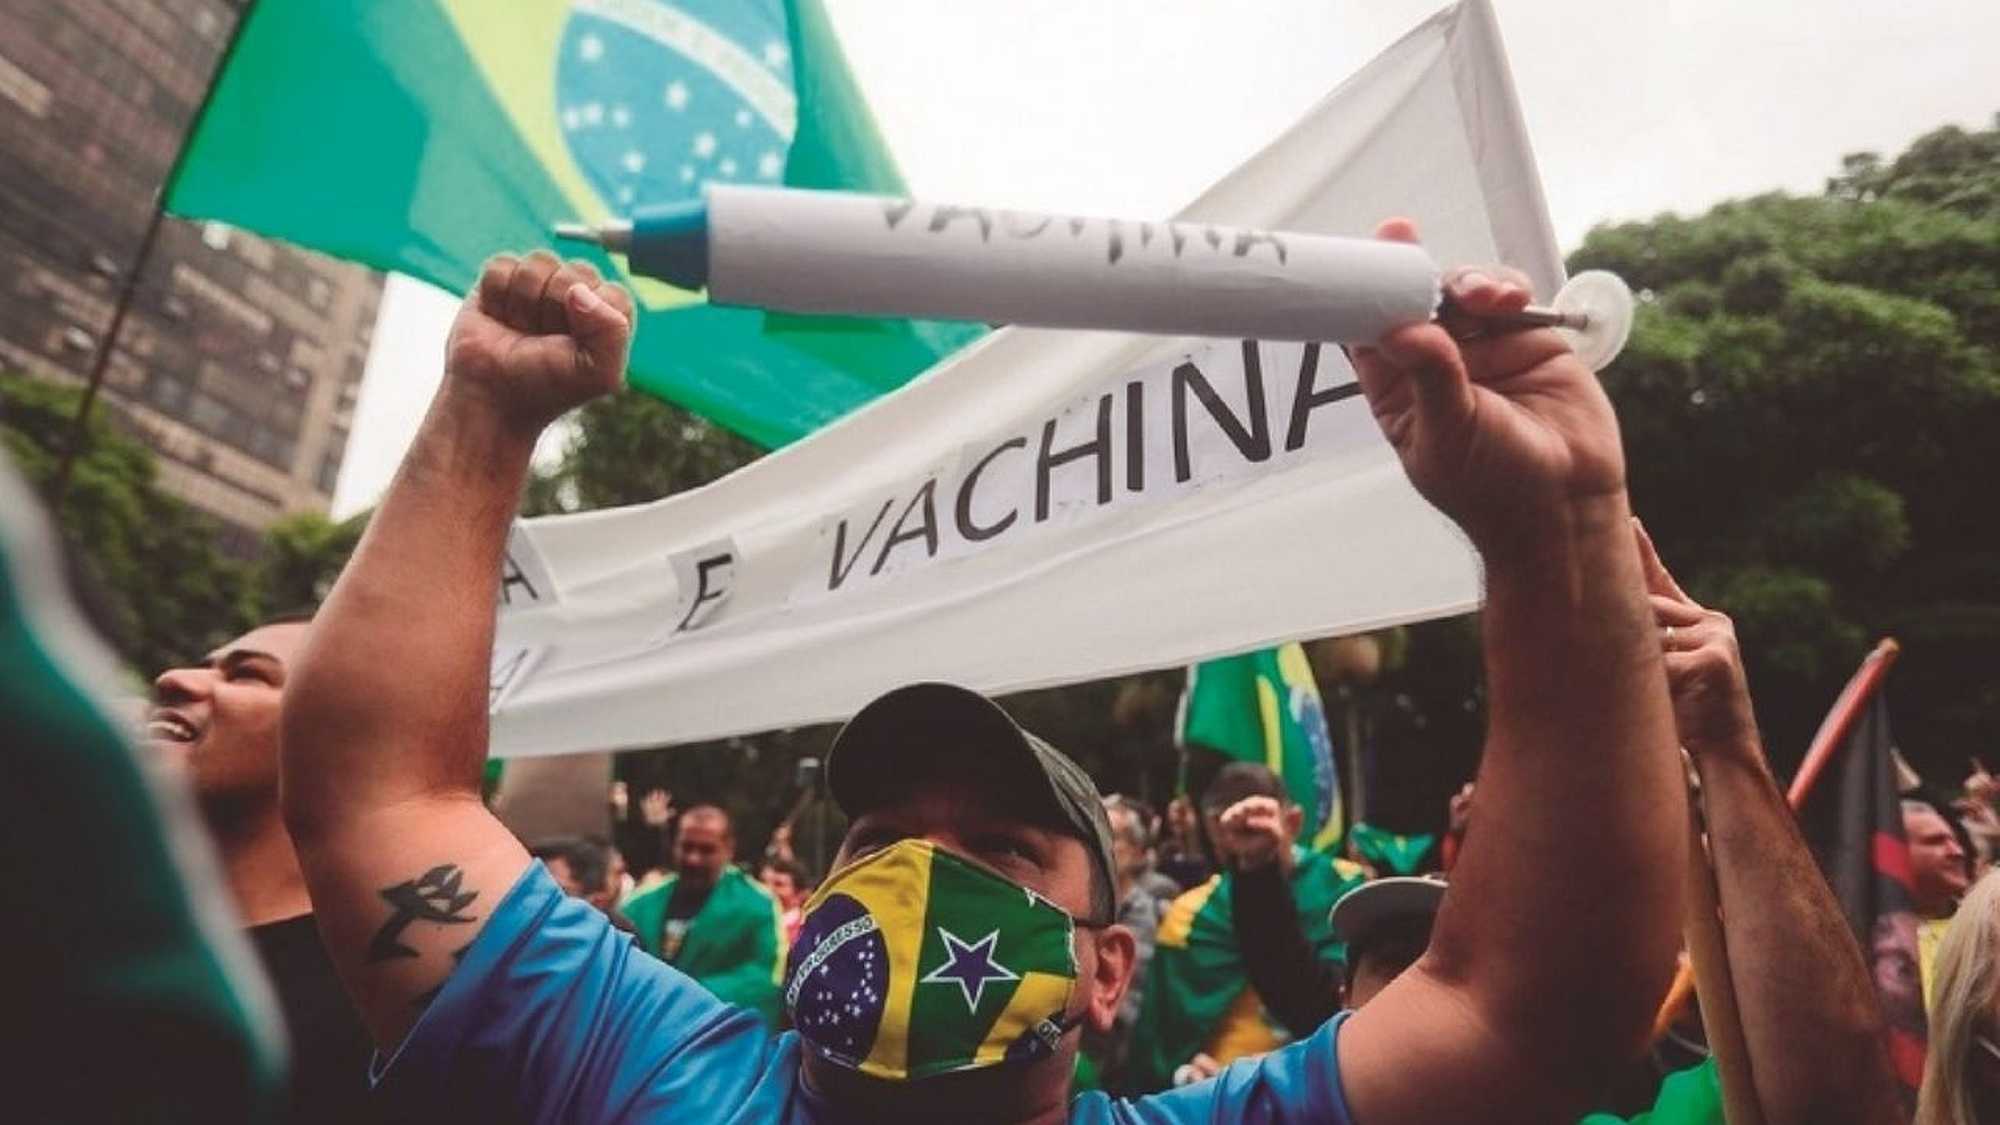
(969, 966)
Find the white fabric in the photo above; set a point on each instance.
(727, 609)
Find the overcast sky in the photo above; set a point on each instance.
(1132, 107)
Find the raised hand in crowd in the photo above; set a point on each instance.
(537, 337)
(1255, 835)
(656, 808)
(1507, 433)
(1810, 1016)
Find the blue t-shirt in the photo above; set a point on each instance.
(553, 1015)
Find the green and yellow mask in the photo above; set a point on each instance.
(912, 962)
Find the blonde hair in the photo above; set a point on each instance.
(1968, 966)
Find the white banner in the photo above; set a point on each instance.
(1049, 506)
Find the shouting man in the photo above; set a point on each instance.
(217, 721)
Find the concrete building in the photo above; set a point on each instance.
(241, 358)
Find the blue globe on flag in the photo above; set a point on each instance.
(837, 984)
(656, 99)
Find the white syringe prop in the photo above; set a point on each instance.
(861, 255)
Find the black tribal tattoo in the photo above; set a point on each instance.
(431, 897)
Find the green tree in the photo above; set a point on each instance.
(632, 448)
(302, 555)
(145, 563)
(1809, 404)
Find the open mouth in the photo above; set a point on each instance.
(168, 726)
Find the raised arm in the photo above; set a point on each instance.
(1298, 988)
(1558, 935)
(385, 726)
(1809, 1011)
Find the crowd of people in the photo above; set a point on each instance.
(996, 940)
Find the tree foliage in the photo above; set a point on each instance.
(631, 448)
(1809, 402)
(302, 555)
(145, 564)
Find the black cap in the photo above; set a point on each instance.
(1361, 910)
(942, 730)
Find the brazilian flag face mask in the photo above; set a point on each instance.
(912, 962)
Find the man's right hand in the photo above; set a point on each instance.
(1253, 832)
(1503, 431)
(538, 336)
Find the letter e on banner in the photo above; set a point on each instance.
(703, 579)
(511, 666)
(524, 576)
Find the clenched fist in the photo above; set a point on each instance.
(1500, 430)
(538, 336)
(1256, 833)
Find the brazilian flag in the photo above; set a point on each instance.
(1391, 853)
(967, 970)
(426, 135)
(1265, 707)
(1198, 996)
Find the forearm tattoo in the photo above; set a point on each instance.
(425, 997)
(433, 896)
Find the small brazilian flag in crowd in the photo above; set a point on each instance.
(1264, 707)
(427, 135)
(1390, 853)
(972, 969)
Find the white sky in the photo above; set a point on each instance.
(1132, 107)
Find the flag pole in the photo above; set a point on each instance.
(1840, 718)
(1708, 953)
(129, 286)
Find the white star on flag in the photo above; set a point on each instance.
(775, 54)
(769, 165)
(704, 145)
(634, 161)
(969, 967)
(591, 48)
(677, 94)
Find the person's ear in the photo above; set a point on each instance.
(1295, 820)
(1110, 976)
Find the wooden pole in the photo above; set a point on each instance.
(1708, 954)
(1841, 717)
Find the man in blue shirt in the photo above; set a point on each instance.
(496, 998)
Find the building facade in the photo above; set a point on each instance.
(241, 358)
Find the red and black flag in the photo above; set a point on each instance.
(1853, 819)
